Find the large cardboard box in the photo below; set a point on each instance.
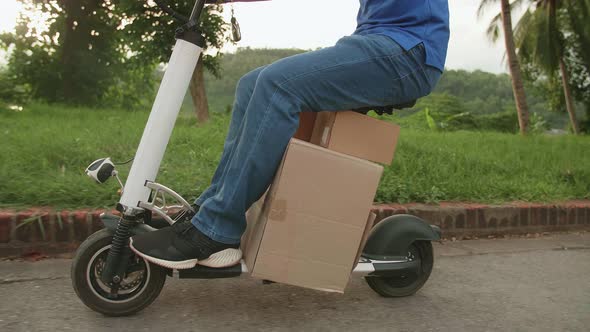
(357, 135)
(306, 124)
(307, 229)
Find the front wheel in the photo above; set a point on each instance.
(408, 283)
(138, 289)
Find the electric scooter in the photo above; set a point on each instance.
(109, 278)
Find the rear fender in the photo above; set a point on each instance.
(392, 237)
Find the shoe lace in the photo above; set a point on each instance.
(181, 227)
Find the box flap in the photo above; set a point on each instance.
(322, 128)
(306, 126)
(368, 228)
(250, 242)
(256, 218)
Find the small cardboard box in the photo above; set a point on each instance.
(357, 135)
(307, 229)
(306, 124)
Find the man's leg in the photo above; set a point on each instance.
(358, 71)
(244, 90)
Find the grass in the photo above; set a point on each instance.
(44, 150)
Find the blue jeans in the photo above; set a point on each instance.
(359, 71)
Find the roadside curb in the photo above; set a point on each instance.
(47, 231)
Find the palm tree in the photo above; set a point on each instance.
(577, 21)
(540, 40)
(505, 17)
(578, 49)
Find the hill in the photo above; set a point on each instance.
(477, 93)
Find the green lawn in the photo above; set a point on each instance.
(44, 150)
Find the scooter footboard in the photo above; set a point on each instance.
(385, 252)
(364, 267)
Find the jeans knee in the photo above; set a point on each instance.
(244, 87)
(272, 76)
(247, 82)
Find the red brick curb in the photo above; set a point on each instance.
(46, 231)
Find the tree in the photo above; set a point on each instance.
(103, 52)
(505, 18)
(151, 37)
(540, 40)
(75, 59)
(577, 54)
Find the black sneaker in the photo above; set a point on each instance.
(183, 246)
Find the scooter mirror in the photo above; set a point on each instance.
(101, 170)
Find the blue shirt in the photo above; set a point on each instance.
(409, 23)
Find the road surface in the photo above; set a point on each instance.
(539, 284)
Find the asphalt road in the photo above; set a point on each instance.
(483, 285)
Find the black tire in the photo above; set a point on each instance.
(406, 285)
(88, 286)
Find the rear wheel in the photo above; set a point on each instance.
(140, 286)
(406, 284)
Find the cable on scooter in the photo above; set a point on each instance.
(124, 162)
(163, 4)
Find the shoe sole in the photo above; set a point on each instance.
(221, 259)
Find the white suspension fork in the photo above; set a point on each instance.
(159, 127)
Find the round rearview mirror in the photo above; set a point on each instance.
(101, 170)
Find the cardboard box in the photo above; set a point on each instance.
(357, 135)
(307, 229)
(306, 124)
(368, 228)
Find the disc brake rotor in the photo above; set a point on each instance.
(134, 282)
(128, 285)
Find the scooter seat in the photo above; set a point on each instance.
(386, 109)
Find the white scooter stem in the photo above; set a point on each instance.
(159, 127)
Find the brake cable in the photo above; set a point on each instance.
(163, 4)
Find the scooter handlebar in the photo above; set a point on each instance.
(163, 4)
(226, 1)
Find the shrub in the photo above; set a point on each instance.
(506, 122)
(12, 96)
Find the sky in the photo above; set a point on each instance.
(310, 24)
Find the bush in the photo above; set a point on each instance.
(12, 96)
(538, 124)
(506, 122)
(585, 125)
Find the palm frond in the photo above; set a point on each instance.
(493, 30)
(522, 27)
(517, 4)
(577, 13)
(544, 40)
(483, 5)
